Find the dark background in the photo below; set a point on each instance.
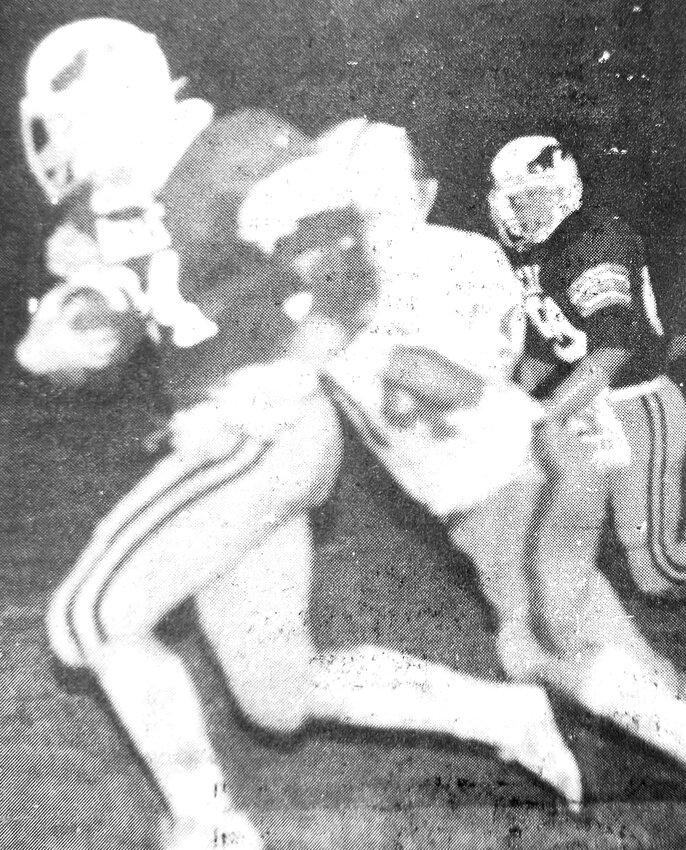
(463, 75)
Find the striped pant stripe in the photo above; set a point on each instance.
(143, 514)
(658, 535)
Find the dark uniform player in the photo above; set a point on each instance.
(595, 349)
(151, 189)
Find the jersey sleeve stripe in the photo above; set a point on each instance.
(600, 301)
(592, 289)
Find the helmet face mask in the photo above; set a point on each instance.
(369, 167)
(323, 213)
(97, 93)
(524, 216)
(534, 187)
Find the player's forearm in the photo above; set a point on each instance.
(593, 374)
(533, 372)
(426, 375)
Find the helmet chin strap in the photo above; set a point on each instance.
(159, 154)
(560, 213)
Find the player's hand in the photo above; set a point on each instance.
(317, 340)
(54, 343)
(77, 330)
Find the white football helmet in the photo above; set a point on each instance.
(535, 185)
(97, 92)
(369, 166)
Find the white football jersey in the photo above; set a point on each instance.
(455, 294)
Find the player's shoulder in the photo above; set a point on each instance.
(236, 150)
(598, 231)
(223, 163)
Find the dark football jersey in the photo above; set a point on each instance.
(586, 288)
(217, 302)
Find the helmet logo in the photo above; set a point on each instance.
(544, 161)
(70, 73)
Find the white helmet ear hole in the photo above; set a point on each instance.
(39, 134)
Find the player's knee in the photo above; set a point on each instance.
(72, 632)
(81, 625)
(270, 687)
(62, 635)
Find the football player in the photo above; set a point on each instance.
(596, 348)
(594, 356)
(426, 383)
(164, 231)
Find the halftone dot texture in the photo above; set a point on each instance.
(376, 579)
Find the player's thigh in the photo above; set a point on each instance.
(213, 533)
(256, 619)
(189, 535)
(124, 532)
(494, 532)
(576, 487)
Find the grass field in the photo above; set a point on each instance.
(69, 781)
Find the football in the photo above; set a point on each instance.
(88, 310)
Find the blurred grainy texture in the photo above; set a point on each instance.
(464, 76)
